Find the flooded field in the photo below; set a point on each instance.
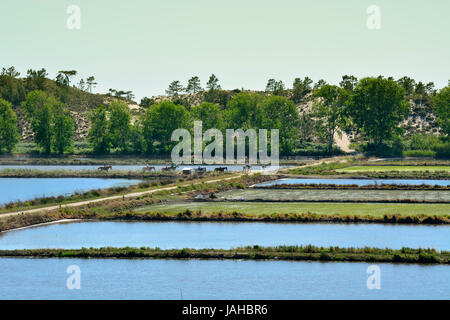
(22, 189)
(359, 182)
(25, 278)
(224, 235)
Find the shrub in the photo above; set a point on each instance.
(423, 142)
(428, 258)
(419, 153)
(325, 256)
(443, 150)
(184, 253)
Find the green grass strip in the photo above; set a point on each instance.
(394, 168)
(293, 253)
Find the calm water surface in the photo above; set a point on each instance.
(14, 189)
(359, 182)
(167, 235)
(28, 278)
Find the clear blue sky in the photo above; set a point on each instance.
(143, 45)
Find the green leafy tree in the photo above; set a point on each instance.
(429, 88)
(420, 92)
(42, 125)
(137, 139)
(159, 122)
(36, 79)
(9, 135)
(120, 127)
(90, 82)
(99, 135)
(129, 95)
(307, 129)
(82, 85)
(319, 84)
(348, 82)
(275, 87)
(270, 86)
(11, 88)
(121, 94)
(377, 107)
(60, 81)
(38, 107)
(279, 88)
(193, 85)
(10, 72)
(64, 76)
(330, 109)
(280, 113)
(301, 88)
(175, 88)
(220, 97)
(245, 111)
(213, 83)
(50, 122)
(62, 129)
(420, 141)
(210, 114)
(441, 105)
(35, 101)
(408, 84)
(147, 102)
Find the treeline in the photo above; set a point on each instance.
(45, 103)
(15, 89)
(372, 108)
(151, 133)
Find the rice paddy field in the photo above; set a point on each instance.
(364, 202)
(259, 208)
(335, 195)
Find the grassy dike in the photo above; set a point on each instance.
(290, 253)
(92, 214)
(386, 168)
(366, 170)
(332, 186)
